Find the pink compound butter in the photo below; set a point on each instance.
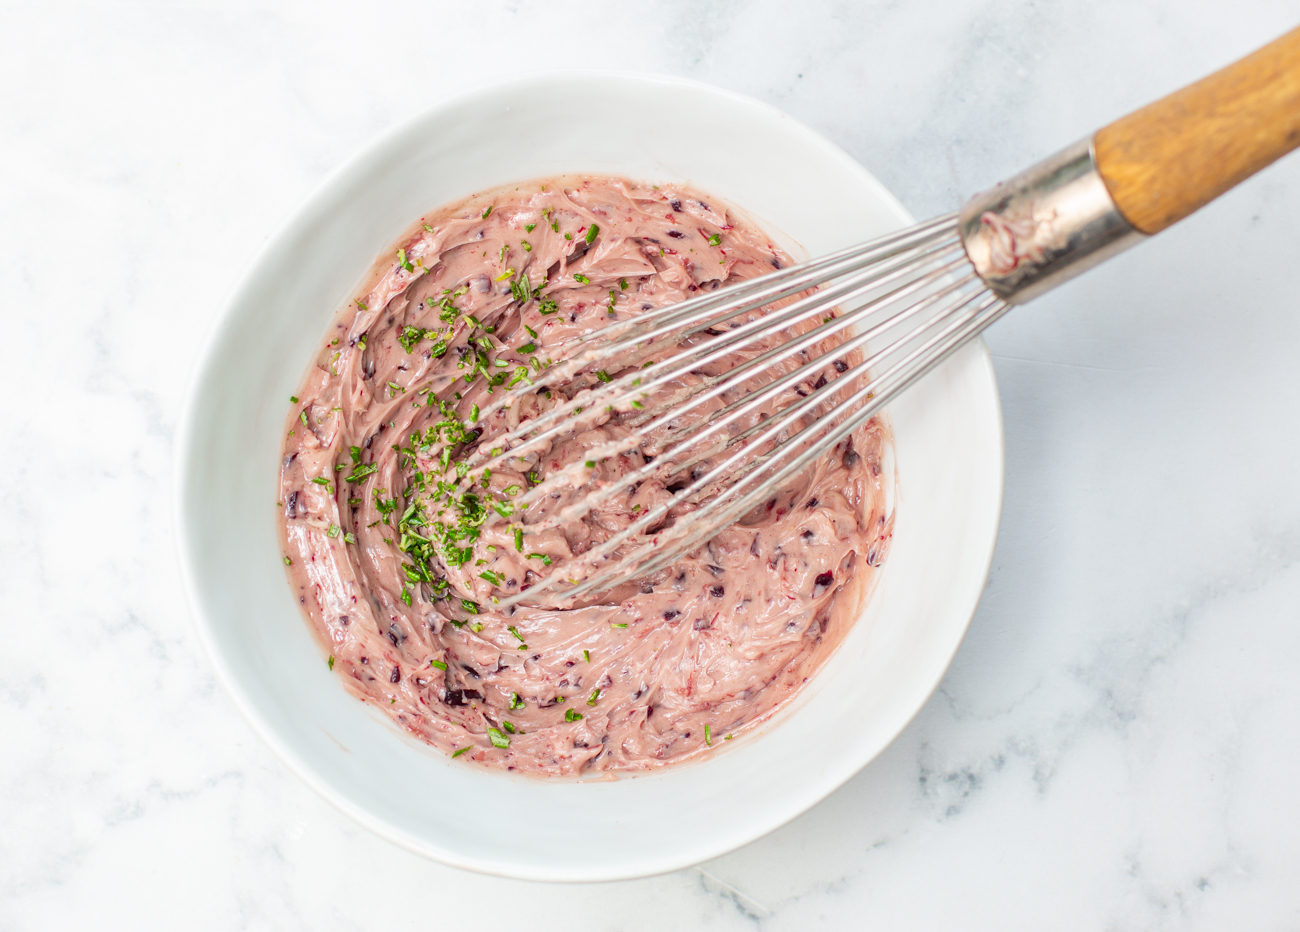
(660, 670)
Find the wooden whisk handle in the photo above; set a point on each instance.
(1176, 155)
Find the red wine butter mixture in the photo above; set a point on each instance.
(397, 582)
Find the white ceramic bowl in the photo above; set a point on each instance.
(813, 198)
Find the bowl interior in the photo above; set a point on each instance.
(804, 191)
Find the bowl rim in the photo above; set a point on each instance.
(832, 779)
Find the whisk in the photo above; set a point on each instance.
(860, 326)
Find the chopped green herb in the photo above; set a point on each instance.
(619, 626)
(331, 662)
(528, 348)
(491, 577)
(519, 539)
(622, 284)
(406, 596)
(410, 336)
(498, 740)
(582, 279)
(603, 375)
(531, 332)
(471, 607)
(459, 752)
(321, 480)
(586, 655)
(504, 275)
(515, 701)
(528, 228)
(525, 244)
(402, 261)
(362, 306)
(438, 663)
(508, 726)
(487, 211)
(546, 561)
(715, 239)
(595, 694)
(360, 472)
(570, 715)
(708, 736)
(515, 631)
(288, 562)
(293, 399)
(590, 464)
(350, 537)
(592, 232)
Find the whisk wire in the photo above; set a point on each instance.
(631, 344)
(918, 287)
(658, 553)
(678, 406)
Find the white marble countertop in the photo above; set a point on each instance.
(1116, 745)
